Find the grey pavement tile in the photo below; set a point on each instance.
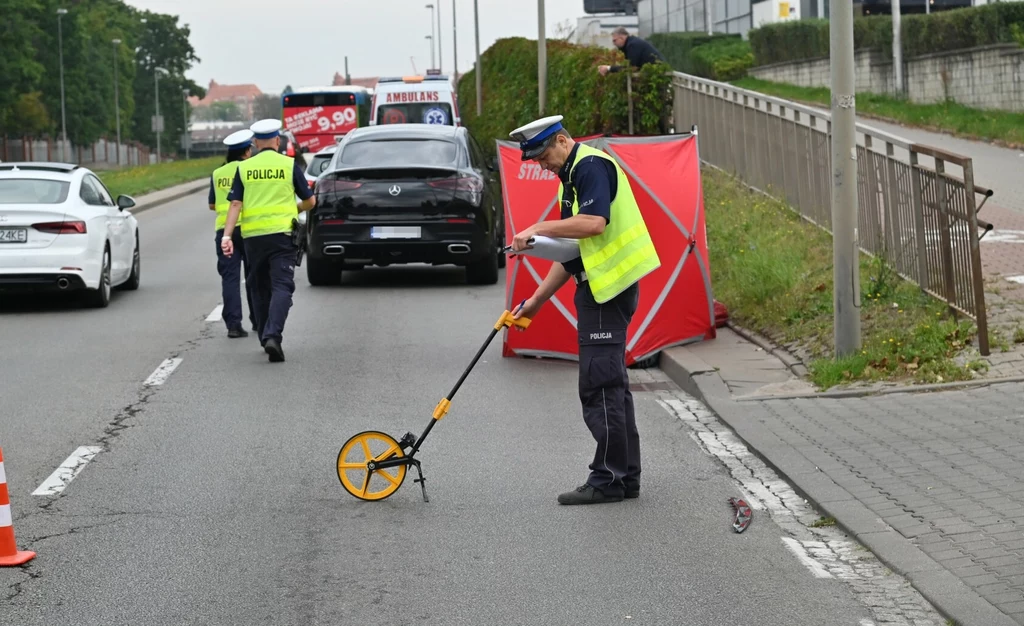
(1015, 569)
(962, 562)
(1007, 597)
(1012, 607)
(976, 580)
(1000, 560)
(993, 589)
(979, 548)
(946, 555)
(915, 530)
(930, 538)
(988, 553)
(958, 528)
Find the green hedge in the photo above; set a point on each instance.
(678, 48)
(589, 102)
(921, 33)
(723, 60)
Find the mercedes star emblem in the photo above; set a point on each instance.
(395, 190)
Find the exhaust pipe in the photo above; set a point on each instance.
(334, 250)
(458, 248)
(63, 283)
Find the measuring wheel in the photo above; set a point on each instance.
(357, 465)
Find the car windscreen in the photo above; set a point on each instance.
(318, 164)
(400, 152)
(32, 191)
(415, 113)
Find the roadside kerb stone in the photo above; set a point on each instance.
(773, 440)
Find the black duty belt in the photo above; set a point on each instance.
(580, 277)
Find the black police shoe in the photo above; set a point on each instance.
(273, 348)
(235, 333)
(586, 494)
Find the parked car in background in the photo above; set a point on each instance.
(318, 163)
(407, 193)
(61, 231)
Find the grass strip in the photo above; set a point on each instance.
(773, 271)
(1002, 127)
(135, 181)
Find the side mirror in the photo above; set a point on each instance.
(125, 202)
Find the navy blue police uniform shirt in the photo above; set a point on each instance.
(593, 185)
(302, 189)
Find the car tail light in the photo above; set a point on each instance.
(61, 228)
(330, 185)
(459, 220)
(290, 151)
(331, 222)
(464, 183)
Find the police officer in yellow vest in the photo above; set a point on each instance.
(230, 268)
(263, 206)
(616, 251)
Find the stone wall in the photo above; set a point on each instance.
(987, 77)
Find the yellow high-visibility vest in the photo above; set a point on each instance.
(223, 176)
(622, 254)
(268, 203)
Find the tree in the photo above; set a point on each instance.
(20, 72)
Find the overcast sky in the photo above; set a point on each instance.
(378, 36)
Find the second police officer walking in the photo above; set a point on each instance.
(616, 251)
(230, 268)
(263, 206)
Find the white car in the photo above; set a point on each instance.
(61, 231)
(318, 164)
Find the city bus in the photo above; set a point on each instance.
(319, 117)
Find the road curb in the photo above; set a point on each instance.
(946, 592)
(170, 194)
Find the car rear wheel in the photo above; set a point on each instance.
(484, 271)
(99, 298)
(322, 273)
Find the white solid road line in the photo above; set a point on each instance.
(797, 548)
(215, 315)
(1016, 279)
(163, 372)
(64, 474)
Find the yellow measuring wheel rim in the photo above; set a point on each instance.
(390, 478)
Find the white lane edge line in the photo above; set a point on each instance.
(1016, 279)
(816, 568)
(67, 471)
(163, 372)
(866, 622)
(215, 315)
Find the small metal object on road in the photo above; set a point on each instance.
(743, 514)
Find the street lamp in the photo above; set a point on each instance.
(117, 105)
(63, 115)
(184, 115)
(157, 121)
(440, 54)
(455, 48)
(431, 7)
(542, 59)
(479, 70)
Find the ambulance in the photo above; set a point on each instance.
(415, 100)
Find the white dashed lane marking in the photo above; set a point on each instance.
(163, 372)
(67, 471)
(215, 315)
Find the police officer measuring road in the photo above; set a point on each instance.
(263, 205)
(230, 267)
(616, 251)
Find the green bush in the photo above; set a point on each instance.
(590, 103)
(723, 60)
(678, 48)
(921, 33)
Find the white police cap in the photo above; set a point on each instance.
(536, 136)
(239, 140)
(266, 129)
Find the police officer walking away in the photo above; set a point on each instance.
(263, 205)
(616, 251)
(230, 268)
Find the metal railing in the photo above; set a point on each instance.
(915, 214)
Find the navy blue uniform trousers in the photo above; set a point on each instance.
(230, 269)
(272, 276)
(604, 388)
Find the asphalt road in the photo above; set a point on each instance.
(215, 498)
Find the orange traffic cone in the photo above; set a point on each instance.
(9, 553)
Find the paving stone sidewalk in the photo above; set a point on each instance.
(1002, 260)
(929, 481)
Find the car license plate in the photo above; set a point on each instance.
(13, 235)
(395, 232)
